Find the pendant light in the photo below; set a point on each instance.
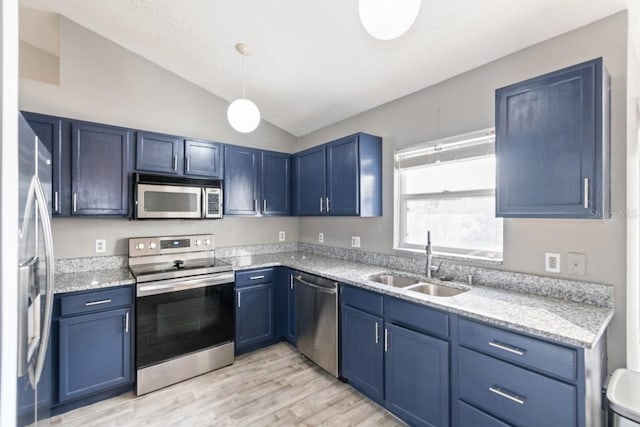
(388, 19)
(243, 114)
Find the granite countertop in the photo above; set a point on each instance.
(568, 322)
(90, 280)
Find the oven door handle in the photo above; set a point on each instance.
(175, 285)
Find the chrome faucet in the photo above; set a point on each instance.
(429, 255)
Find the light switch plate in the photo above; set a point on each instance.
(320, 237)
(552, 262)
(355, 241)
(281, 236)
(577, 263)
(100, 246)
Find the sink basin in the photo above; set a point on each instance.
(435, 290)
(393, 280)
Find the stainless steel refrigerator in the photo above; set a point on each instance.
(35, 278)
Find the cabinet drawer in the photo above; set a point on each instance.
(95, 301)
(370, 302)
(515, 394)
(416, 316)
(530, 352)
(254, 277)
(470, 416)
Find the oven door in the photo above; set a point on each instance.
(168, 201)
(181, 316)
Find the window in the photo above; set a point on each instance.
(448, 187)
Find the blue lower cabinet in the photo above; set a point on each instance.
(362, 352)
(417, 377)
(254, 316)
(285, 311)
(94, 353)
(470, 416)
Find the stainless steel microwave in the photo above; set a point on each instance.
(165, 197)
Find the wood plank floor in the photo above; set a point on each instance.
(269, 387)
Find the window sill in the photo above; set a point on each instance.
(451, 257)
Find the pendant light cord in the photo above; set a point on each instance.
(243, 76)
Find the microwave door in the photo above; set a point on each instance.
(168, 201)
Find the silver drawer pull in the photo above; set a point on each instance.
(256, 277)
(502, 393)
(586, 193)
(102, 301)
(377, 332)
(508, 348)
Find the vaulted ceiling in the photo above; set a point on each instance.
(313, 63)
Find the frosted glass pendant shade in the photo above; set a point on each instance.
(388, 19)
(243, 115)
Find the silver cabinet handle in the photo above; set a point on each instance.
(75, 202)
(126, 323)
(188, 164)
(239, 295)
(327, 205)
(256, 277)
(255, 205)
(505, 347)
(56, 207)
(386, 340)
(586, 193)
(291, 281)
(503, 393)
(321, 205)
(102, 301)
(377, 330)
(264, 205)
(175, 162)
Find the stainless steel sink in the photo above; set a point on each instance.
(393, 280)
(435, 290)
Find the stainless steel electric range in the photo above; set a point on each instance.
(184, 309)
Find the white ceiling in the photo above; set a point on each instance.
(313, 63)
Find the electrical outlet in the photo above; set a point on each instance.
(576, 263)
(355, 241)
(281, 236)
(552, 262)
(320, 237)
(101, 246)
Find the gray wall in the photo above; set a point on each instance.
(101, 81)
(466, 103)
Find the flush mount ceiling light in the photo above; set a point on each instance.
(243, 115)
(388, 19)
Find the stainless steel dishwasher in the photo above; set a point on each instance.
(317, 320)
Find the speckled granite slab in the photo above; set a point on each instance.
(74, 265)
(575, 323)
(96, 279)
(232, 251)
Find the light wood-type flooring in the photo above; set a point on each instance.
(274, 386)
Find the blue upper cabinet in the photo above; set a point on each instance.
(256, 182)
(552, 145)
(341, 178)
(203, 159)
(158, 153)
(99, 169)
(176, 156)
(241, 180)
(309, 181)
(275, 183)
(50, 131)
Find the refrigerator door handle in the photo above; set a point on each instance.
(34, 374)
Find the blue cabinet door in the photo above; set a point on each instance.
(99, 170)
(362, 352)
(275, 183)
(254, 316)
(552, 145)
(285, 311)
(309, 182)
(417, 377)
(158, 153)
(50, 131)
(241, 180)
(343, 185)
(94, 353)
(203, 159)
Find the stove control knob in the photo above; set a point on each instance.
(152, 245)
(140, 246)
(207, 242)
(198, 242)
